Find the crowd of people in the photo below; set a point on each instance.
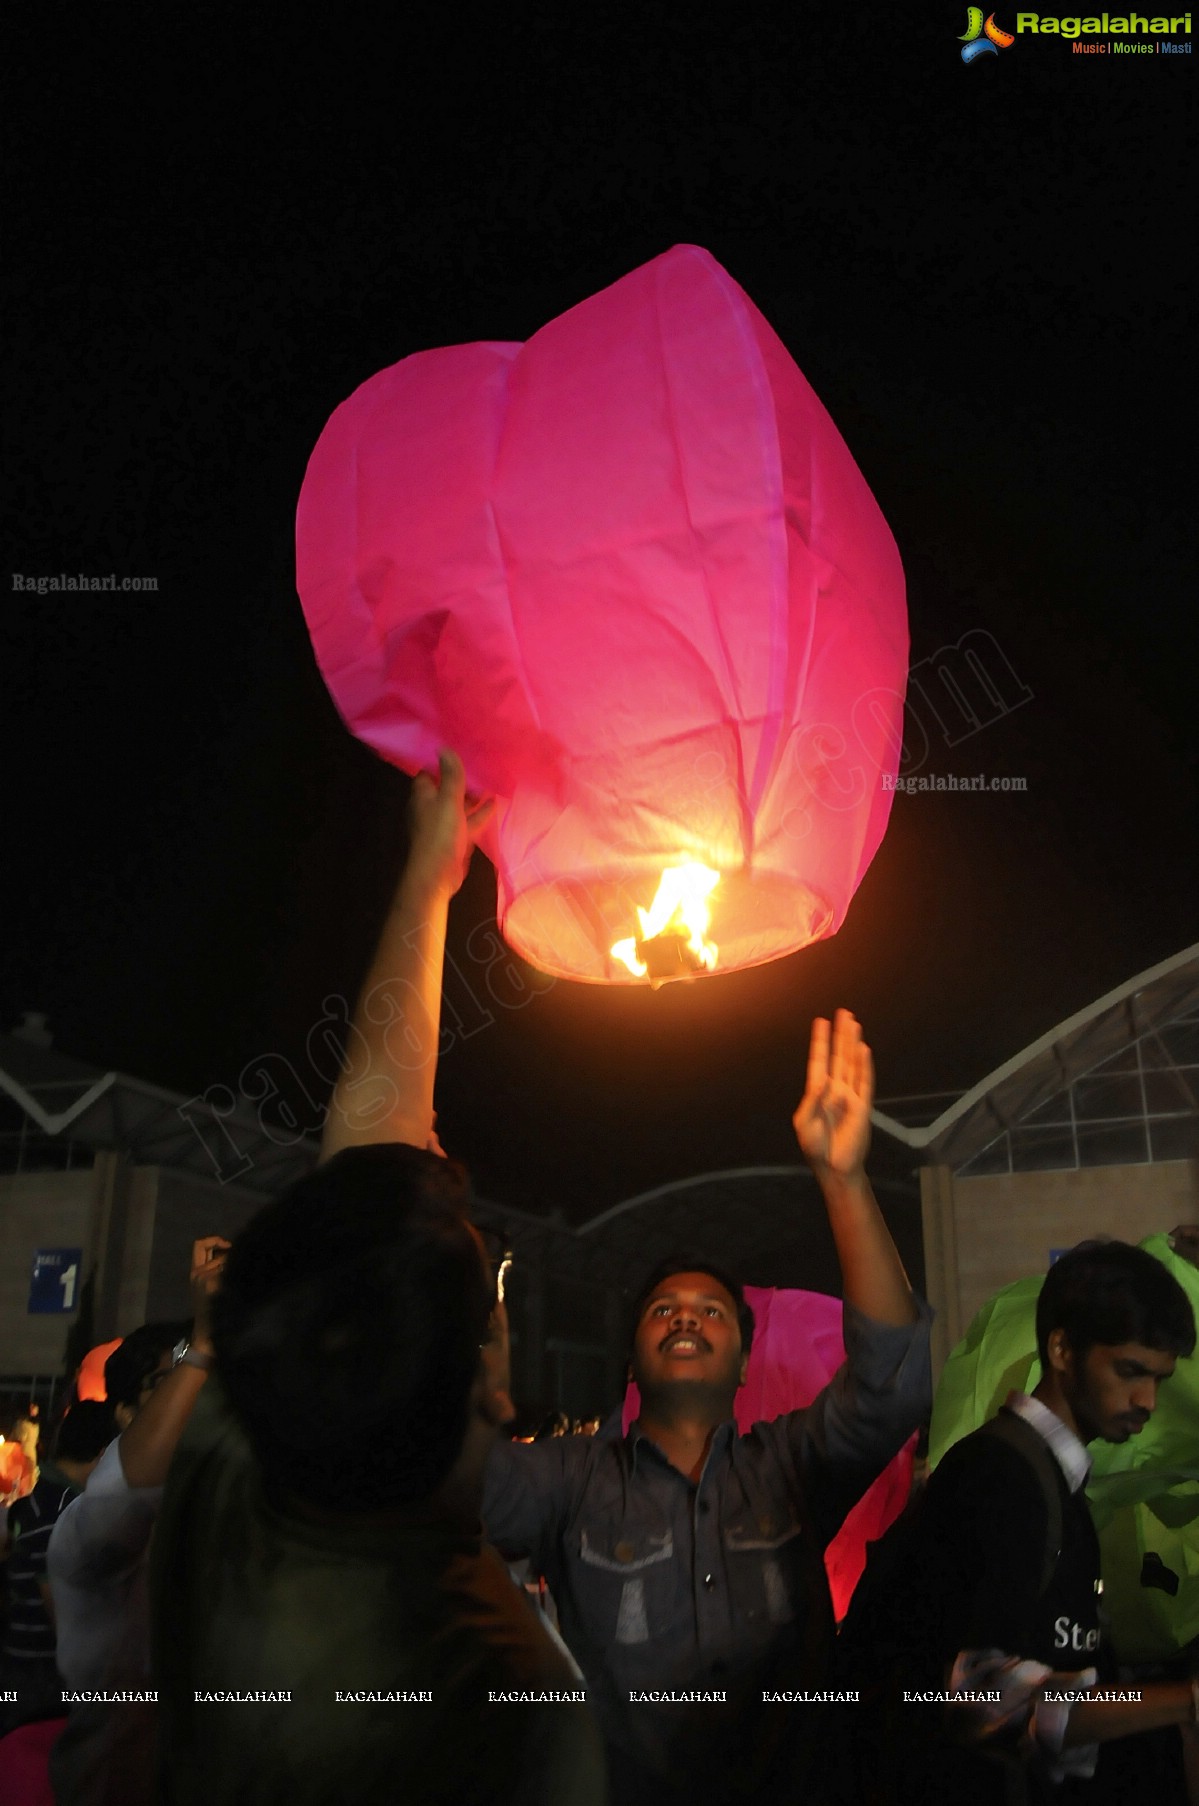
(218, 1624)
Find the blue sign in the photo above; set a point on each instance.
(54, 1284)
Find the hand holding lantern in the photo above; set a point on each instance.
(445, 825)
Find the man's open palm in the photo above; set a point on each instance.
(832, 1122)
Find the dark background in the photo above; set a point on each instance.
(220, 225)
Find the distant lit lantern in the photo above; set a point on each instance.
(630, 571)
(18, 1470)
(90, 1381)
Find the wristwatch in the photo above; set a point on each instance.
(184, 1355)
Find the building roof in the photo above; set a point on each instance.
(762, 1222)
(766, 1224)
(1157, 1011)
(57, 1098)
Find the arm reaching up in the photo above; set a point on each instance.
(832, 1125)
(385, 1092)
(148, 1445)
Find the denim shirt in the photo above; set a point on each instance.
(716, 1585)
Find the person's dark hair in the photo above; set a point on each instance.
(697, 1263)
(1108, 1293)
(354, 1307)
(86, 1430)
(129, 1367)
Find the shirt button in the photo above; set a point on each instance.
(708, 1581)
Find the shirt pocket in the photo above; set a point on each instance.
(764, 1557)
(627, 1579)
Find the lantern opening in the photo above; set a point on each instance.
(672, 942)
(566, 925)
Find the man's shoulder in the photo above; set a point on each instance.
(771, 1441)
(996, 1470)
(106, 1491)
(24, 1514)
(553, 1468)
(1004, 1440)
(41, 1509)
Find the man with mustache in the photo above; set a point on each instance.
(686, 1560)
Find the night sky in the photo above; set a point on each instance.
(218, 227)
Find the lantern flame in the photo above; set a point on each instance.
(679, 909)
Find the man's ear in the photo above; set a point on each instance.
(493, 1400)
(744, 1369)
(122, 1416)
(1059, 1351)
(495, 1405)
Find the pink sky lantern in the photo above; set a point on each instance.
(797, 1348)
(631, 573)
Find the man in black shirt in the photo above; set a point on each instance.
(991, 1591)
(328, 1622)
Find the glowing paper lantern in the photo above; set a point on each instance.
(17, 1471)
(797, 1348)
(630, 571)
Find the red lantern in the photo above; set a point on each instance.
(17, 1471)
(630, 571)
(90, 1380)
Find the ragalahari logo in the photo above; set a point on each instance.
(981, 39)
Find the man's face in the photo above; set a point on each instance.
(152, 1381)
(1113, 1390)
(688, 1334)
(125, 1414)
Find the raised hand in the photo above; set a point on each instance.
(209, 1254)
(832, 1123)
(445, 825)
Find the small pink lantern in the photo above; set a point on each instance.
(630, 571)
